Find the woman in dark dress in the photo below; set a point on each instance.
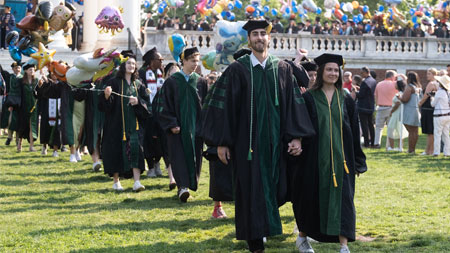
(324, 180)
(426, 111)
(125, 107)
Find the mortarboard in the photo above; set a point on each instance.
(28, 65)
(326, 58)
(128, 53)
(150, 55)
(15, 64)
(309, 66)
(257, 24)
(168, 66)
(188, 52)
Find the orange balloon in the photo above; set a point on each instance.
(337, 6)
(355, 4)
(250, 9)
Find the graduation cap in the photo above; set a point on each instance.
(241, 52)
(128, 53)
(326, 58)
(168, 66)
(310, 66)
(28, 65)
(150, 55)
(15, 64)
(188, 52)
(257, 24)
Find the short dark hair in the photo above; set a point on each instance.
(400, 85)
(365, 70)
(8, 7)
(358, 79)
(448, 65)
(390, 73)
(373, 74)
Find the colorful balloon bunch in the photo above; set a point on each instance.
(340, 10)
(164, 6)
(17, 47)
(221, 7)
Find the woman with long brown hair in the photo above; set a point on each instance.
(426, 110)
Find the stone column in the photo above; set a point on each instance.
(90, 30)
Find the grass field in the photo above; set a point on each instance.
(50, 205)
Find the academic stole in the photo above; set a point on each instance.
(123, 115)
(153, 81)
(54, 106)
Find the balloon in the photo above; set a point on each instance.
(217, 9)
(294, 9)
(274, 12)
(414, 19)
(319, 11)
(412, 11)
(355, 4)
(230, 6)
(365, 9)
(338, 14)
(43, 56)
(229, 38)
(355, 19)
(349, 7)
(238, 4)
(172, 2)
(287, 10)
(393, 2)
(360, 17)
(14, 53)
(28, 51)
(12, 38)
(176, 45)
(160, 10)
(416, 26)
(344, 18)
(309, 5)
(330, 4)
(381, 8)
(341, 5)
(250, 9)
(327, 14)
(427, 13)
(110, 19)
(368, 28)
(418, 13)
(208, 60)
(231, 17)
(266, 8)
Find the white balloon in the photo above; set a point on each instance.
(327, 13)
(349, 6)
(330, 4)
(309, 5)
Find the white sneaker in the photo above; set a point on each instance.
(303, 245)
(344, 249)
(137, 187)
(44, 151)
(73, 159)
(151, 173)
(78, 156)
(55, 153)
(96, 166)
(117, 186)
(158, 170)
(184, 194)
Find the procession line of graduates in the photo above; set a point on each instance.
(272, 136)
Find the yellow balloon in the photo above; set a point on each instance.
(355, 5)
(217, 9)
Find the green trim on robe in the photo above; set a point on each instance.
(267, 134)
(130, 147)
(330, 197)
(30, 106)
(188, 99)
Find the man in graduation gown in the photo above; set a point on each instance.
(152, 77)
(9, 118)
(179, 117)
(324, 178)
(256, 117)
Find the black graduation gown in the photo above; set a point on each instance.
(5, 90)
(227, 123)
(202, 87)
(113, 144)
(305, 186)
(170, 115)
(28, 110)
(45, 128)
(63, 91)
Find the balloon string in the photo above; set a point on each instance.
(112, 92)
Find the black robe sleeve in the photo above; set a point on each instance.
(168, 117)
(50, 90)
(300, 74)
(202, 87)
(142, 108)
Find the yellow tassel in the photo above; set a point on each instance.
(46, 26)
(345, 167)
(124, 136)
(334, 180)
(137, 125)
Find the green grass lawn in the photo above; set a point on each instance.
(50, 205)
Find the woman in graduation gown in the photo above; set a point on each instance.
(27, 110)
(125, 107)
(323, 183)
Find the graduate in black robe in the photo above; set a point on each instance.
(324, 180)
(125, 105)
(9, 118)
(179, 117)
(256, 117)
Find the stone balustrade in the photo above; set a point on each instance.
(377, 52)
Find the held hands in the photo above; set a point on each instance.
(175, 130)
(295, 147)
(224, 154)
(133, 101)
(108, 92)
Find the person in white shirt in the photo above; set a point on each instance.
(441, 115)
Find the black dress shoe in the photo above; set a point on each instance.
(8, 141)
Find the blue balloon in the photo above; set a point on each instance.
(319, 11)
(300, 15)
(287, 10)
(164, 4)
(332, 11)
(230, 6)
(355, 19)
(365, 8)
(256, 13)
(360, 17)
(147, 4)
(232, 17)
(294, 3)
(223, 14)
(444, 4)
(381, 8)
(414, 19)
(344, 18)
(427, 13)
(160, 10)
(266, 8)
(274, 12)
(294, 9)
(416, 26)
(412, 11)
(15, 53)
(28, 51)
(342, 5)
(368, 28)
(262, 13)
(391, 11)
(238, 4)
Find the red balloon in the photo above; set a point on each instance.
(250, 9)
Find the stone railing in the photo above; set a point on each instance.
(393, 50)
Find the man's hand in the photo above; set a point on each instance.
(10, 109)
(175, 130)
(108, 91)
(295, 147)
(224, 154)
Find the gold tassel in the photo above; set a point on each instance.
(345, 167)
(334, 180)
(137, 125)
(46, 26)
(249, 157)
(124, 136)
